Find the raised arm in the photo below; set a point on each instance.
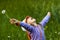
(22, 24)
(45, 19)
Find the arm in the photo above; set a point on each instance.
(27, 26)
(45, 19)
(22, 24)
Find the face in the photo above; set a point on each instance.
(31, 20)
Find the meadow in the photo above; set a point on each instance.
(19, 9)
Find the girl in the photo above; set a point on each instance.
(35, 31)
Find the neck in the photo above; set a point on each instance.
(35, 24)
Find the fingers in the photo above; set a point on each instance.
(12, 21)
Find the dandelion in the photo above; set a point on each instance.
(3, 11)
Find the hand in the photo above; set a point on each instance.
(49, 14)
(12, 21)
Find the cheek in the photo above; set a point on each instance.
(28, 21)
(31, 21)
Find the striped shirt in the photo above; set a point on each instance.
(37, 32)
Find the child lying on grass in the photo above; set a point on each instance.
(35, 31)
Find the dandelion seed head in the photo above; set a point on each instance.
(3, 11)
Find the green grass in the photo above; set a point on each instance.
(36, 8)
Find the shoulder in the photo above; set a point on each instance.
(40, 26)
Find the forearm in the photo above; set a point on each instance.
(27, 26)
(45, 19)
(22, 24)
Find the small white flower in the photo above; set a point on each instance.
(3, 11)
(8, 36)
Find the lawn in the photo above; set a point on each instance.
(19, 9)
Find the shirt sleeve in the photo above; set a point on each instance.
(45, 20)
(27, 26)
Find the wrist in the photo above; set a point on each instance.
(17, 22)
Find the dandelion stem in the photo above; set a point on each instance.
(7, 16)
